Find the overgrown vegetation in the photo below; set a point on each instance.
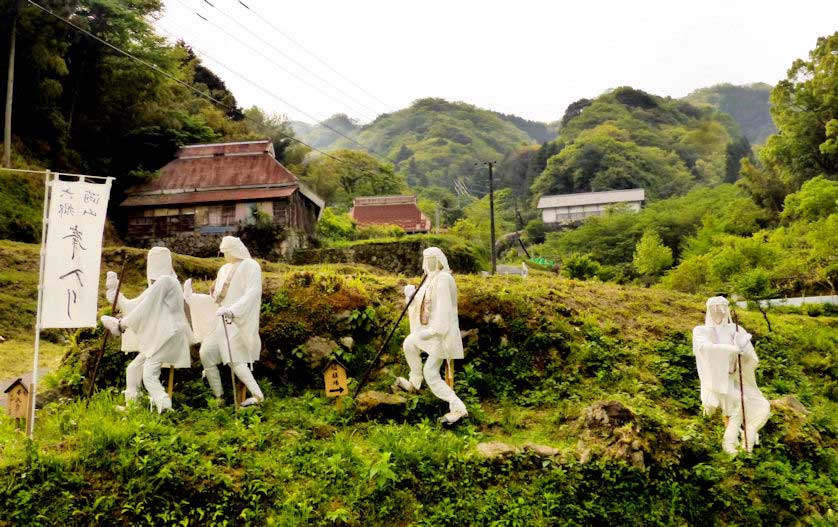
(540, 354)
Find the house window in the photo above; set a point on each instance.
(281, 212)
(228, 215)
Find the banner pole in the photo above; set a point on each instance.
(44, 221)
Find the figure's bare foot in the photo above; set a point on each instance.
(404, 385)
(452, 417)
(250, 401)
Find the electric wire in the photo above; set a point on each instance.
(263, 55)
(168, 75)
(292, 59)
(265, 21)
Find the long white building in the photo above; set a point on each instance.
(567, 208)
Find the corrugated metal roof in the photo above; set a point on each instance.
(207, 196)
(221, 171)
(407, 216)
(592, 198)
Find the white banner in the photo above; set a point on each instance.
(73, 253)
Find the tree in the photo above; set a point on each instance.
(346, 174)
(817, 198)
(651, 256)
(805, 109)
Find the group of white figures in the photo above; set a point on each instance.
(226, 324)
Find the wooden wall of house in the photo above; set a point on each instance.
(295, 212)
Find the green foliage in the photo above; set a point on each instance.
(580, 266)
(347, 174)
(475, 225)
(627, 138)
(435, 141)
(334, 226)
(688, 224)
(805, 110)
(816, 199)
(747, 104)
(652, 257)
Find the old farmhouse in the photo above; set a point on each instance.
(562, 209)
(211, 190)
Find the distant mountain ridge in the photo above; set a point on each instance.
(433, 142)
(748, 104)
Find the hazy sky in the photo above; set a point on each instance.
(526, 57)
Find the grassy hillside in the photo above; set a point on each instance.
(602, 374)
(747, 104)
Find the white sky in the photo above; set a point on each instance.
(527, 57)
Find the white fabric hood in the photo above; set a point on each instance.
(434, 253)
(159, 264)
(234, 247)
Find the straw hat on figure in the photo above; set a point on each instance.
(153, 324)
(226, 321)
(726, 363)
(435, 330)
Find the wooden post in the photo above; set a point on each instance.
(242, 389)
(449, 372)
(171, 387)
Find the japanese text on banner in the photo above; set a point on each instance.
(73, 253)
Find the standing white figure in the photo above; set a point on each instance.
(719, 347)
(435, 330)
(154, 324)
(236, 296)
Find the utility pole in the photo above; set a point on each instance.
(10, 80)
(491, 165)
(437, 218)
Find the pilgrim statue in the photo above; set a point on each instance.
(726, 363)
(434, 330)
(226, 321)
(154, 324)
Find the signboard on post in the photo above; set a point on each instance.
(70, 279)
(334, 377)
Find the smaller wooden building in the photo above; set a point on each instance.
(390, 210)
(210, 190)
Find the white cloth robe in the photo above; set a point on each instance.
(446, 342)
(244, 298)
(716, 363)
(157, 325)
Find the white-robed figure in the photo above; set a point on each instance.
(719, 347)
(236, 296)
(435, 330)
(154, 324)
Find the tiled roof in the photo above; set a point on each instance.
(406, 216)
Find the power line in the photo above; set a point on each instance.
(206, 96)
(290, 105)
(260, 53)
(292, 59)
(169, 76)
(264, 20)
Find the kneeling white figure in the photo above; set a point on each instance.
(154, 325)
(434, 330)
(226, 321)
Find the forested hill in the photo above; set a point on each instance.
(434, 141)
(628, 138)
(748, 104)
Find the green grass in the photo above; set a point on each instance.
(539, 353)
